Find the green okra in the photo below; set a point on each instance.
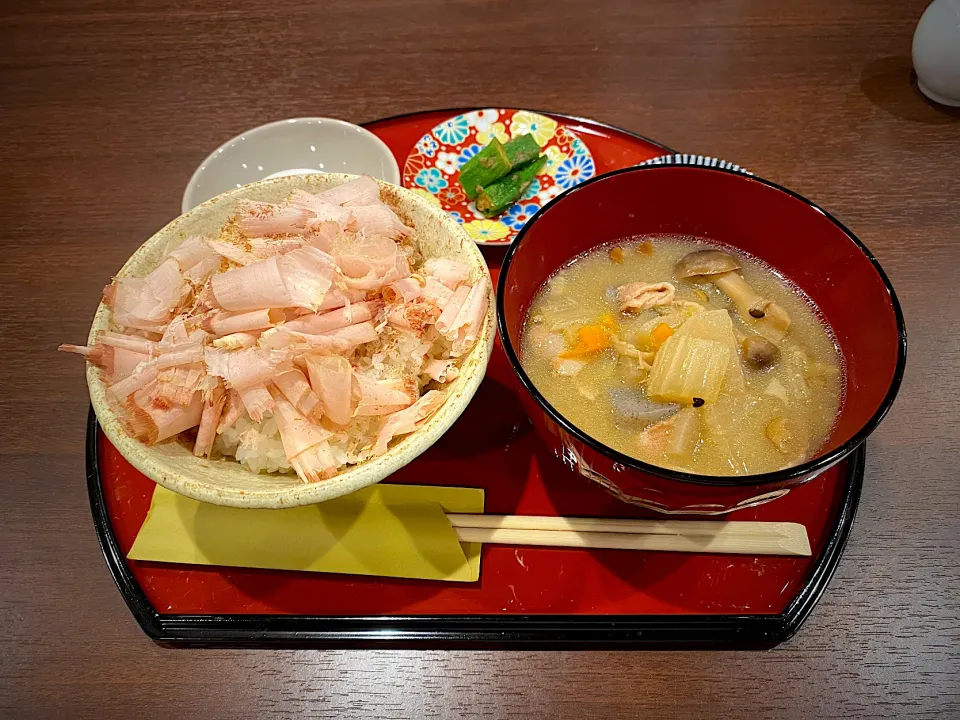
(495, 161)
(521, 150)
(495, 198)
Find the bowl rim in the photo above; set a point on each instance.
(187, 202)
(370, 472)
(815, 465)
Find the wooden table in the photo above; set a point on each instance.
(108, 105)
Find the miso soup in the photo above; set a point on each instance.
(685, 355)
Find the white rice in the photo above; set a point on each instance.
(256, 446)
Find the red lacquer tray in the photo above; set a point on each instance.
(526, 596)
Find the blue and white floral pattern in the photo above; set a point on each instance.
(431, 179)
(456, 216)
(427, 145)
(453, 131)
(532, 191)
(468, 152)
(517, 216)
(574, 170)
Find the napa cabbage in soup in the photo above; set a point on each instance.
(685, 355)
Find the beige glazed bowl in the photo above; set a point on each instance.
(226, 482)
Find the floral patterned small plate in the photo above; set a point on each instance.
(432, 167)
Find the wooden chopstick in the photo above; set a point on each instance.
(704, 536)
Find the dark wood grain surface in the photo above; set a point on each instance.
(107, 106)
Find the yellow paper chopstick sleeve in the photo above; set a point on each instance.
(385, 530)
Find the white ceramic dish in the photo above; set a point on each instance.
(297, 146)
(226, 482)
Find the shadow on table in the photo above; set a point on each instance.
(891, 84)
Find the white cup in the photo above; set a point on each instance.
(936, 52)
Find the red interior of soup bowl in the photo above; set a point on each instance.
(792, 235)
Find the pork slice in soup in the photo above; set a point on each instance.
(685, 355)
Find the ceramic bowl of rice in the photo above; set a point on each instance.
(259, 474)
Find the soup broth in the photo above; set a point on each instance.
(658, 349)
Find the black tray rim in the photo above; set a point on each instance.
(548, 632)
(553, 632)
